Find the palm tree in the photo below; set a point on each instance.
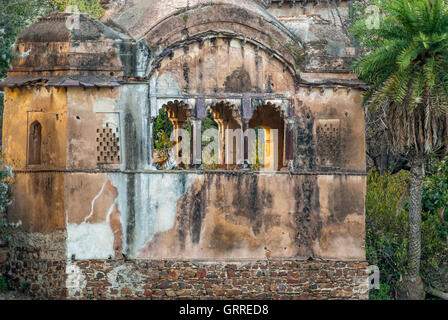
(405, 61)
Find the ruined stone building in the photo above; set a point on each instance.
(99, 217)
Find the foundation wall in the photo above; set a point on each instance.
(265, 279)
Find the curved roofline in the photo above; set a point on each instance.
(277, 23)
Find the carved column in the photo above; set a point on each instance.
(246, 104)
(289, 144)
(178, 114)
(197, 142)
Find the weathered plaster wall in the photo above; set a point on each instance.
(50, 48)
(330, 129)
(38, 201)
(195, 216)
(254, 216)
(176, 21)
(88, 111)
(94, 229)
(22, 107)
(323, 29)
(39, 198)
(221, 65)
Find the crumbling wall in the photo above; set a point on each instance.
(36, 263)
(217, 215)
(323, 27)
(103, 223)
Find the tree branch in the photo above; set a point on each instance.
(436, 293)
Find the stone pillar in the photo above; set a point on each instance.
(247, 113)
(177, 126)
(151, 141)
(220, 118)
(178, 113)
(245, 127)
(289, 144)
(221, 138)
(197, 142)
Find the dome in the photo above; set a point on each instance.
(49, 48)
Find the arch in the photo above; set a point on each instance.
(179, 114)
(230, 143)
(188, 19)
(220, 65)
(270, 117)
(35, 143)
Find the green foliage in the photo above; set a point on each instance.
(5, 195)
(381, 294)
(163, 142)
(16, 15)
(407, 54)
(208, 122)
(405, 61)
(435, 192)
(387, 203)
(6, 227)
(257, 165)
(387, 225)
(2, 97)
(162, 131)
(3, 285)
(25, 286)
(435, 220)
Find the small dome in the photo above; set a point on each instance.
(66, 44)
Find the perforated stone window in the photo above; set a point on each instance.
(108, 145)
(328, 141)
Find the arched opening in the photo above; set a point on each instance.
(230, 143)
(35, 144)
(172, 136)
(267, 120)
(209, 142)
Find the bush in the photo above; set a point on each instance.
(3, 285)
(382, 293)
(387, 227)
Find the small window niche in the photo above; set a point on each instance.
(35, 144)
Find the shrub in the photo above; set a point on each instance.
(387, 226)
(3, 285)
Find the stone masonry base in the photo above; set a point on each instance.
(269, 279)
(46, 274)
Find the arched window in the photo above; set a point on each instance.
(172, 134)
(230, 133)
(35, 143)
(269, 123)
